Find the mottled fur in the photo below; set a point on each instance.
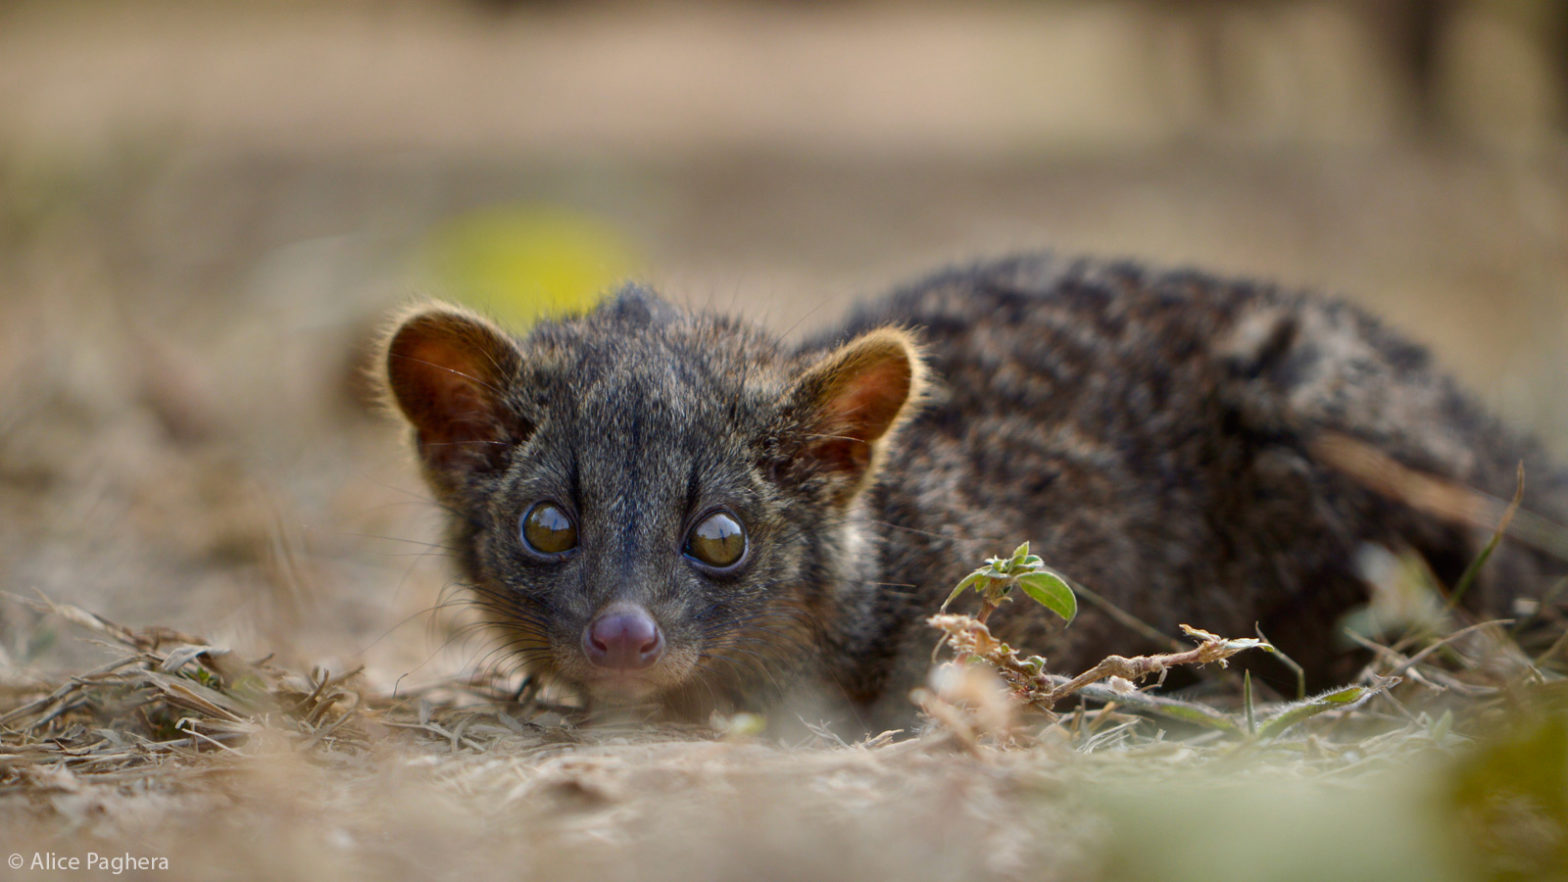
(1150, 433)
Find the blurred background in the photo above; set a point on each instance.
(207, 210)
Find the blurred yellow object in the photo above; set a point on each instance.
(524, 263)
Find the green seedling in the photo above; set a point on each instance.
(994, 582)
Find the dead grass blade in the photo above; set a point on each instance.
(1437, 496)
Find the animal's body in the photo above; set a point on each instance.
(661, 505)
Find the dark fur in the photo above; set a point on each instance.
(1151, 434)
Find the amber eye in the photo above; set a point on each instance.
(547, 530)
(718, 540)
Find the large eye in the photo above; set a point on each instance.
(547, 530)
(718, 540)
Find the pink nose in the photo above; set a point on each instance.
(623, 636)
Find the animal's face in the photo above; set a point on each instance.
(649, 505)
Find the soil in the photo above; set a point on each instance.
(207, 213)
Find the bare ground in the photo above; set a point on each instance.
(204, 217)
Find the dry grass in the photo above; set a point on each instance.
(177, 746)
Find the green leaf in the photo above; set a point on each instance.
(968, 580)
(1339, 699)
(1246, 700)
(1348, 695)
(1171, 708)
(1052, 592)
(1020, 553)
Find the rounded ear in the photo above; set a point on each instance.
(449, 372)
(849, 401)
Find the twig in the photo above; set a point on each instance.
(968, 635)
(1213, 648)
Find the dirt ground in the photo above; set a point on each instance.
(207, 212)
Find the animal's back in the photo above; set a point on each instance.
(1156, 437)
